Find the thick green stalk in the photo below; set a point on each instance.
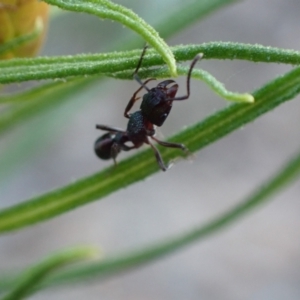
(18, 70)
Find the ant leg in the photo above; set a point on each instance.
(137, 78)
(133, 99)
(197, 57)
(172, 145)
(110, 129)
(114, 151)
(158, 157)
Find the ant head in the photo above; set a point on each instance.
(157, 103)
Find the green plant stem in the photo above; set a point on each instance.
(184, 15)
(18, 70)
(211, 81)
(39, 99)
(108, 10)
(37, 273)
(113, 265)
(188, 14)
(143, 164)
(23, 39)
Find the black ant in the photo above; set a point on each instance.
(154, 110)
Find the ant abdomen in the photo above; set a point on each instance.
(103, 146)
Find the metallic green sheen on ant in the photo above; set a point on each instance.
(154, 110)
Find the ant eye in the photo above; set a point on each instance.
(103, 146)
(164, 116)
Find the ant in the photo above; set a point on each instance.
(154, 110)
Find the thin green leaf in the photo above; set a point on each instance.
(38, 99)
(108, 10)
(184, 15)
(188, 14)
(18, 70)
(217, 86)
(143, 164)
(210, 80)
(32, 94)
(23, 39)
(41, 105)
(37, 273)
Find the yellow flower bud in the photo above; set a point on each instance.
(22, 27)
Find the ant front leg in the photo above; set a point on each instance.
(134, 98)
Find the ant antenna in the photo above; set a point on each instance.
(135, 73)
(197, 57)
(141, 59)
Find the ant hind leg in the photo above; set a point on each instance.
(159, 158)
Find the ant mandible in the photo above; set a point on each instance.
(154, 110)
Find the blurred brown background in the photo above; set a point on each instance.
(258, 258)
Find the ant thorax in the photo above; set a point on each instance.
(138, 128)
